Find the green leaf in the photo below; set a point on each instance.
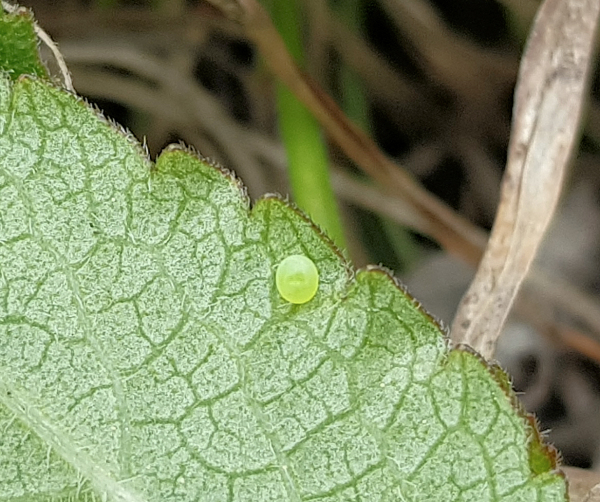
(18, 45)
(146, 355)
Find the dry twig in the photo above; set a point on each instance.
(548, 102)
(436, 219)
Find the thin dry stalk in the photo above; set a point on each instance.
(549, 98)
(453, 232)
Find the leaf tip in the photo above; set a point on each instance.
(543, 456)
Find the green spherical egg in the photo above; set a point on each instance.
(297, 279)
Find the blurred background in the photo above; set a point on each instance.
(431, 81)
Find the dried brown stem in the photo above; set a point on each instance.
(552, 86)
(453, 232)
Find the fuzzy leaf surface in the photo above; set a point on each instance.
(18, 45)
(146, 355)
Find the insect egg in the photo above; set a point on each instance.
(297, 279)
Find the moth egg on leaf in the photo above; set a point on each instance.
(297, 279)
